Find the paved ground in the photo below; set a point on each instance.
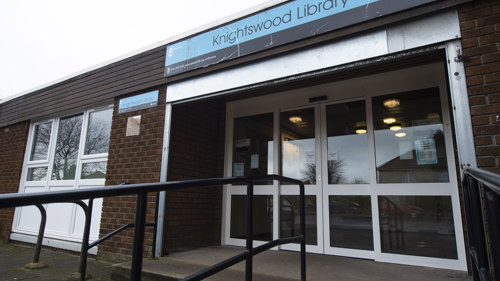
(285, 265)
(13, 258)
(268, 266)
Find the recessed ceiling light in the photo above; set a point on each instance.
(400, 134)
(295, 119)
(391, 103)
(389, 120)
(395, 127)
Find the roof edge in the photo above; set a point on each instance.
(174, 38)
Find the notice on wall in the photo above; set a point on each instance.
(333, 155)
(242, 143)
(310, 157)
(238, 169)
(133, 126)
(254, 161)
(138, 102)
(405, 150)
(426, 152)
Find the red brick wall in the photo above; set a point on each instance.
(132, 159)
(13, 142)
(480, 27)
(193, 217)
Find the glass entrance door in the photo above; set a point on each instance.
(379, 170)
(326, 146)
(346, 187)
(300, 159)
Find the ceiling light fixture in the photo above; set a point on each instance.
(295, 119)
(400, 134)
(391, 103)
(389, 120)
(360, 130)
(395, 127)
(433, 116)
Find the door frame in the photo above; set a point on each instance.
(403, 80)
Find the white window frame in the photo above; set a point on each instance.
(70, 235)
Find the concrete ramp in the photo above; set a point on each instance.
(282, 265)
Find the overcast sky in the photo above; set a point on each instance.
(44, 40)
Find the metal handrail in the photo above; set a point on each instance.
(141, 190)
(481, 190)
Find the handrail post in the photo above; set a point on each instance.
(249, 244)
(492, 206)
(41, 231)
(85, 239)
(302, 233)
(140, 225)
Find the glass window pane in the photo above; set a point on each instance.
(409, 138)
(95, 170)
(98, 131)
(262, 213)
(351, 222)
(253, 145)
(298, 147)
(417, 225)
(347, 143)
(290, 218)
(37, 174)
(68, 142)
(41, 141)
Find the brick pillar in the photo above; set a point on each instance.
(480, 27)
(193, 216)
(132, 159)
(13, 140)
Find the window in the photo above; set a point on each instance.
(41, 140)
(79, 148)
(38, 159)
(67, 145)
(98, 130)
(409, 138)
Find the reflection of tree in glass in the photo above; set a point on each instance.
(97, 136)
(290, 217)
(68, 142)
(41, 141)
(93, 170)
(37, 174)
(335, 173)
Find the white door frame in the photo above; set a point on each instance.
(409, 79)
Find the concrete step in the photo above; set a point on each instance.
(166, 269)
(283, 265)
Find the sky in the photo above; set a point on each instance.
(42, 41)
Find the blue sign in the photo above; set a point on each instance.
(289, 22)
(138, 102)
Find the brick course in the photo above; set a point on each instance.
(132, 159)
(480, 27)
(13, 141)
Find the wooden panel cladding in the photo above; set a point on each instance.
(136, 73)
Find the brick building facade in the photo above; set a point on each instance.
(200, 124)
(14, 138)
(480, 27)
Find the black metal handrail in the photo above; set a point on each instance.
(141, 190)
(481, 191)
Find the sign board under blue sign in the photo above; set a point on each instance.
(138, 102)
(286, 23)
